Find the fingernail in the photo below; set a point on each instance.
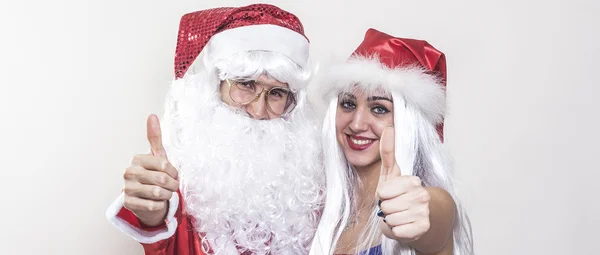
(380, 213)
(379, 202)
(384, 221)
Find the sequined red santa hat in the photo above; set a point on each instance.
(410, 68)
(222, 32)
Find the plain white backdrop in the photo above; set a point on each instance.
(78, 79)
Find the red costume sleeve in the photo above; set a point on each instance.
(176, 236)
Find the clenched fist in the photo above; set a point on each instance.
(404, 202)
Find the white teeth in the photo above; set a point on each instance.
(360, 142)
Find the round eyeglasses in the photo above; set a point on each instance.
(280, 100)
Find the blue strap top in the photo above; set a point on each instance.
(376, 250)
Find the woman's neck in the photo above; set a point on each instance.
(365, 199)
(369, 178)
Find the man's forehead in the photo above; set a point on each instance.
(268, 81)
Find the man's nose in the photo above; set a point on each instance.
(258, 108)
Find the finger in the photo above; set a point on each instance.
(389, 167)
(160, 179)
(144, 176)
(407, 216)
(411, 231)
(399, 186)
(144, 205)
(398, 204)
(155, 163)
(155, 136)
(150, 192)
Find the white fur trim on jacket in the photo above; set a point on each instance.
(138, 234)
(419, 88)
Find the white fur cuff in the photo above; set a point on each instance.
(138, 234)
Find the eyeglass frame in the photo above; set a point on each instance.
(286, 111)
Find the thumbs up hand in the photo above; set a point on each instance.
(150, 180)
(403, 201)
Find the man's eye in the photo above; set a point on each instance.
(246, 85)
(278, 93)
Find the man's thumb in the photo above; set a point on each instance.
(155, 136)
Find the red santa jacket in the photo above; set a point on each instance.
(177, 236)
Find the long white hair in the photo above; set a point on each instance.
(419, 101)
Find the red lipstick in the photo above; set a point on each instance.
(358, 147)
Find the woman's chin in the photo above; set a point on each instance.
(359, 159)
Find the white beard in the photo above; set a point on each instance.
(251, 185)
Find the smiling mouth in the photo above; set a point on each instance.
(359, 143)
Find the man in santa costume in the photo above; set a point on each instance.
(235, 163)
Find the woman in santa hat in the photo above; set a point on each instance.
(389, 181)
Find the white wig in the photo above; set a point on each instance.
(419, 105)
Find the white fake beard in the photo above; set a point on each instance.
(251, 185)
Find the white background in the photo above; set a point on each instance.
(78, 79)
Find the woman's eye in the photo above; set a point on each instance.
(379, 110)
(347, 105)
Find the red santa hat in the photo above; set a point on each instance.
(222, 32)
(414, 73)
(409, 68)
